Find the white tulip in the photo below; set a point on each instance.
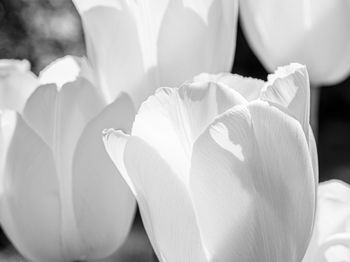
(312, 32)
(137, 46)
(331, 237)
(224, 168)
(60, 197)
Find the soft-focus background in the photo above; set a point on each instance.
(43, 30)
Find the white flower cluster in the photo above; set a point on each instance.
(223, 167)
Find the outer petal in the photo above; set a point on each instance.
(195, 37)
(252, 186)
(113, 40)
(175, 117)
(331, 237)
(304, 33)
(163, 199)
(104, 205)
(16, 84)
(289, 88)
(30, 202)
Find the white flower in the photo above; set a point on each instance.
(60, 197)
(224, 168)
(315, 33)
(137, 46)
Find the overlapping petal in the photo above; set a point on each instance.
(244, 178)
(116, 56)
(159, 43)
(249, 88)
(164, 201)
(195, 37)
(288, 88)
(241, 169)
(174, 118)
(60, 197)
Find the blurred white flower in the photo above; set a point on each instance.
(60, 197)
(224, 168)
(331, 237)
(312, 32)
(138, 46)
(17, 83)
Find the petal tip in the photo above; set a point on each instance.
(113, 139)
(287, 70)
(61, 71)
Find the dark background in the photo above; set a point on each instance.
(43, 30)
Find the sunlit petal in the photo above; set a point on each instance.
(253, 187)
(163, 199)
(195, 37)
(289, 88)
(175, 117)
(249, 88)
(115, 51)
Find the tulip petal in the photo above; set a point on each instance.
(249, 88)
(101, 197)
(289, 89)
(201, 36)
(220, 16)
(175, 117)
(252, 186)
(222, 23)
(163, 199)
(117, 55)
(16, 84)
(30, 201)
